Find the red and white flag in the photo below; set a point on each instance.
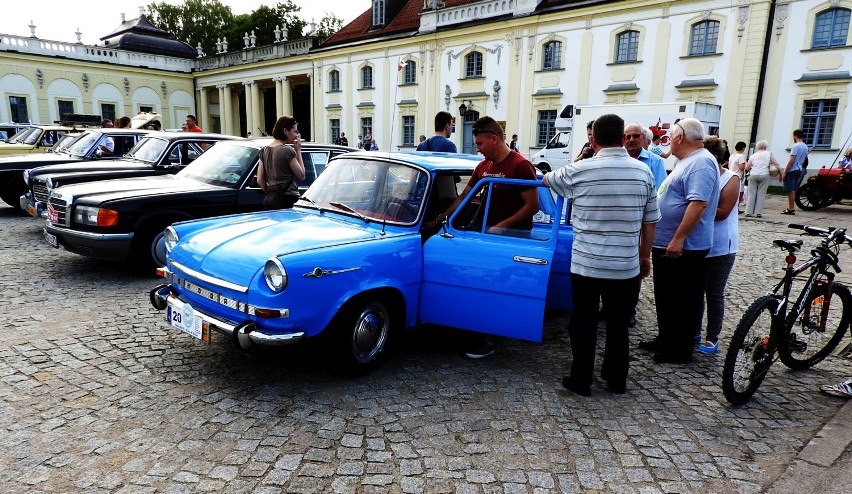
(402, 64)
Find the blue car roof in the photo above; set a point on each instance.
(428, 160)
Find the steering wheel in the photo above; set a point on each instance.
(401, 211)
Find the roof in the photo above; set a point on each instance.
(407, 19)
(141, 36)
(428, 160)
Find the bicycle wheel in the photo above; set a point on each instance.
(750, 353)
(818, 329)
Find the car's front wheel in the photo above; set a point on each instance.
(363, 330)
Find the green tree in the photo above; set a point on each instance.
(329, 25)
(263, 22)
(199, 21)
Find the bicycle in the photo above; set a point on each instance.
(801, 335)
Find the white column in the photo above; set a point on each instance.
(278, 96)
(203, 110)
(286, 98)
(249, 116)
(226, 113)
(256, 113)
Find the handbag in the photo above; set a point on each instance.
(774, 170)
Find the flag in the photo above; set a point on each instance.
(402, 64)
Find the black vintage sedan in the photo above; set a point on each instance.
(85, 148)
(158, 153)
(125, 219)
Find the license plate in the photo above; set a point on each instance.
(51, 239)
(186, 320)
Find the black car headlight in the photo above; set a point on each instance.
(275, 275)
(170, 239)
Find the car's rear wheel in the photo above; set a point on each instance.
(544, 167)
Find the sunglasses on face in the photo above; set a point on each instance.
(476, 132)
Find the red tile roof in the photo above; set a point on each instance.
(406, 20)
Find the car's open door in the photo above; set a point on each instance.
(493, 283)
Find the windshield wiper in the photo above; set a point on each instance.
(304, 198)
(344, 207)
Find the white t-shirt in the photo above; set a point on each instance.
(736, 163)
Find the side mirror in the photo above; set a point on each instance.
(253, 182)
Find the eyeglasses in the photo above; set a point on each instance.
(634, 136)
(476, 131)
(682, 132)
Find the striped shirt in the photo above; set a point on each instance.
(612, 196)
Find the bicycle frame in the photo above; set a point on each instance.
(818, 268)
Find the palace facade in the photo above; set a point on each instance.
(773, 66)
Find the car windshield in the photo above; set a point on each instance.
(32, 138)
(20, 136)
(63, 142)
(81, 146)
(148, 149)
(226, 164)
(377, 190)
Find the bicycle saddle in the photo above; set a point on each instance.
(788, 245)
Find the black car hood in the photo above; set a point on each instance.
(107, 190)
(29, 161)
(82, 167)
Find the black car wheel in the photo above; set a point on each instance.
(809, 197)
(11, 192)
(362, 332)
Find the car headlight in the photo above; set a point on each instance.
(170, 239)
(95, 216)
(275, 275)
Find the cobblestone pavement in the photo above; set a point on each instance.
(98, 395)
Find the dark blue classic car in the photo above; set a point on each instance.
(359, 257)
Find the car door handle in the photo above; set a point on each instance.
(530, 260)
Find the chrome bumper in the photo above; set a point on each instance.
(245, 334)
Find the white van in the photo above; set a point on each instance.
(563, 147)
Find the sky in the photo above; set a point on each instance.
(58, 20)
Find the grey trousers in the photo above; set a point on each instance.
(757, 187)
(716, 272)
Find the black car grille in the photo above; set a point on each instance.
(61, 208)
(40, 192)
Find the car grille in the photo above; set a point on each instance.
(61, 208)
(180, 280)
(40, 192)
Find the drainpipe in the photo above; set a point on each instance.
(758, 103)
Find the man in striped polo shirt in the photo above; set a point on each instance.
(614, 215)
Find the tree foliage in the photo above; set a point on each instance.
(329, 25)
(194, 21)
(207, 21)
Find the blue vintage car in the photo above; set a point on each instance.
(360, 257)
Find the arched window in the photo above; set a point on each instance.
(378, 12)
(627, 47)
(409, 73)
(831, 28)
(334, 80)
(473, 64)
(551, 58)
(367, 77)
(703, 38)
